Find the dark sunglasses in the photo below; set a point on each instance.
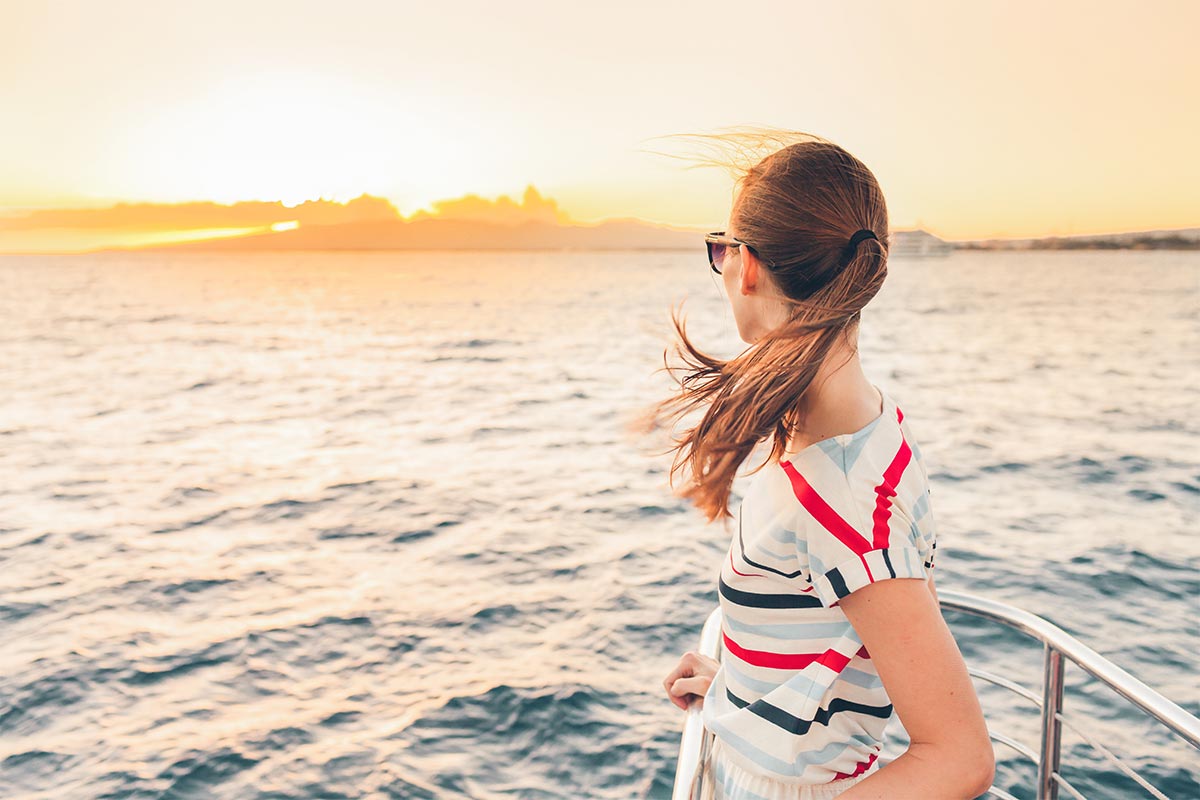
(718, 244)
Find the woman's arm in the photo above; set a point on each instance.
(950, 756)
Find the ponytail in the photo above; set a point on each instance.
(818, 223)
(745, 399)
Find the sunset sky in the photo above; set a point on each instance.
(979, 119)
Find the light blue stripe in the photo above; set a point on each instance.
(766, 762)
(758, 685)
(864, 680)
(846, 457)
(853, 451)
(921, 507)
(798, 681)
(836, 453)
(793, 631)
(855, 677)
(777, 766)
(785, 557)
(782, 535)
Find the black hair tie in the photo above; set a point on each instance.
(858, 236)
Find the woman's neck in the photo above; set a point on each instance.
(841, 399)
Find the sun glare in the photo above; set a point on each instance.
(282, 136)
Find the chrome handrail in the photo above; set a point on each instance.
(696, 740)
(1057, 646)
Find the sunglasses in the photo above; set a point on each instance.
(718, 244)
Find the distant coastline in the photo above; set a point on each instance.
(625, 234)
(1182, 239)
(470, 222)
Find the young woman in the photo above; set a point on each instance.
(831, 622)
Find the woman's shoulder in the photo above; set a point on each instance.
(856, 469)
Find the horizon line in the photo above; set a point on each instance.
(503, 209)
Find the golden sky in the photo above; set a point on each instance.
(980, 119)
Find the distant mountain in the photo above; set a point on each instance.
(433, 233)
(1170, 239)
(465, 233)
(453, 234)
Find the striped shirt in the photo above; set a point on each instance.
(796, 697)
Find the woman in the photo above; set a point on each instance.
(823, 638)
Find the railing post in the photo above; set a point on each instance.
(1052, 698)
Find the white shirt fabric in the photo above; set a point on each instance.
(797, 698)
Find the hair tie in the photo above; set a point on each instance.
(859, 236)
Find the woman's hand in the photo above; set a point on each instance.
(691, 676)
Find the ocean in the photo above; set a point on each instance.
(350, 525)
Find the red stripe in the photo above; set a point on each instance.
(886, 491)
(762, 658)
(833, 660)
(743, 574)
(862, 767)
(823, 513)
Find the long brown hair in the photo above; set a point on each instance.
(798, 207)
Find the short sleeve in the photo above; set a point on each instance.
(847, 552)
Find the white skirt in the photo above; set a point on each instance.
(730, 781)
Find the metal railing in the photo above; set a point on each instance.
(692, 777)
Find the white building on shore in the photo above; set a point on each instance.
(918, 244)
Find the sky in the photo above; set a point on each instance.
(980, 119)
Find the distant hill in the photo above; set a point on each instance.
(458, 233)
(433, 233)
(452, 234)
(1171, 239)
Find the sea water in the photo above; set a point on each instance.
(343, 525)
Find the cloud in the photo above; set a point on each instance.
(200, 215)
(503, 210)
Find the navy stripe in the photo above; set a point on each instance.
(754, 600)
(793, 724)
(888, 560)
(742, 547)
(836, 581)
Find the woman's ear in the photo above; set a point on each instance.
(748, 274)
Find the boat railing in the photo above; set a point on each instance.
(693, 779)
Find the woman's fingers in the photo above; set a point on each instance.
(697, 685)
(692, 675)
(681, 690)
(684, 669)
